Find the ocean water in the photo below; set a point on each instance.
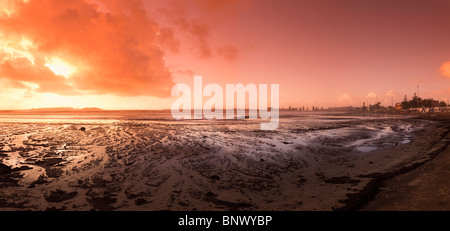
(106, 116)
(165, 115)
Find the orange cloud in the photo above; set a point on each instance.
(201, 32)
(445, 69)
(216, 4)
(194, 19)
(166, 38)
(112, 44)
(230, 53)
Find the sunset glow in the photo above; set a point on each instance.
(322, 53)
(60, 67)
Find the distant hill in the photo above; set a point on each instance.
(63, 109)
(91, 109)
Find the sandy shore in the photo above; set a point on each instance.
(206, 166)
(424, 188)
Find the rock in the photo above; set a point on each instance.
(53, 208)
(49, 162)
(232, 206)
(40, 180)
(6, 180)
(54, 172)
(60, 195)
(83, 129)
(215, 177)
(4, 169)
(21, 168)
(341, 180)
(184, 204)
(140, 201)
(102, 203)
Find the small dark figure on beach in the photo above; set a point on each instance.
(83, 129)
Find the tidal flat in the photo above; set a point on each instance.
(325, 162)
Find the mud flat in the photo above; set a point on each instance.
(422, 187)
(212, 165)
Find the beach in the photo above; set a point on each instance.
(425, 187)
(311, 162)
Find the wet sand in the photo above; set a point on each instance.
(425, 188)
(205, 166)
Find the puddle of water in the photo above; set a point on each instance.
(406, 141)
(15, 160)
(378, 135)
(18, 142)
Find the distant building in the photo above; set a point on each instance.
(430, 103)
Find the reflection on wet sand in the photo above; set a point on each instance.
(209, 165)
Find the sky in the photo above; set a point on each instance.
(116, 54)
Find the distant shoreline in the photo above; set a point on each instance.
(66, 110)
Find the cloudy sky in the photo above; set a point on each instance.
(118, 54)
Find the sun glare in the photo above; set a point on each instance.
(17, 50)
(60, 67)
